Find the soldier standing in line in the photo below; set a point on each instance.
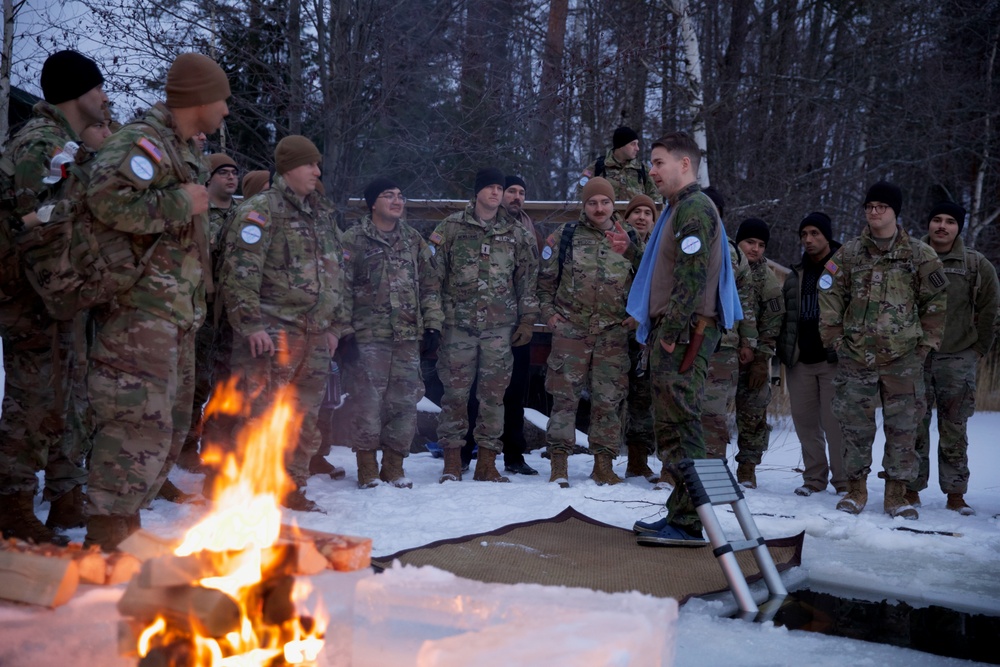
(223, 179)
(950, 372)
(283, 293)
(622, 168)
(753, 392)
(148, 182)
(586, 272)
(255, 182)
(392, 294)
(882, 304)
(35, 409)
(487, 267)
(811, 366)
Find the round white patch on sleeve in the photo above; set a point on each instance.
(141, 167)
(250, 234)
(691, 245)
(547, 252)
(826, 281)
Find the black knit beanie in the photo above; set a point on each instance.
(513, 180)
(489, 176)
(753, 228)
(377, 187)
(949, 208)
(623, 136)
(887, 193)
(66, 75)
(820, 221)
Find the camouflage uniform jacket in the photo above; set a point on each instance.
(487, 271)
(768, 305)
(217, 221)
(31, 150)
(972, 300)
(744, 334)
(391, 290)
(625, 178)
(136, 189)
(877, 306)
(593, 289)
(283, 262)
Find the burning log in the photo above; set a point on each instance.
(206, 611)
(344, 553)
(144, 545)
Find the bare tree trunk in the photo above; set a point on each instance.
(975, 217)
(8, 50)
(693, 80)
(295, 67)
(549, 99)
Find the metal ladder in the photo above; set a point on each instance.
(710, 483)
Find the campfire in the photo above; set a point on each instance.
(229, 594)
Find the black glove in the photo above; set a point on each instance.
(759, 372)
(348, 349)
(431, 341)
(831, 355)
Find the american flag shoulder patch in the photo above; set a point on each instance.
(832, 267)
(256, 218)
(347, 255)
(436, 238)
(150, 148)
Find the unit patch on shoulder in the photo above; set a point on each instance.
(347, 255)
(937, 279)
(825, 281)
(691, 245)
(151, 149)
(774, 305)
(256, 218)
(436, 238)
(832, 267)
(141, 167)
(547, 252)
(250, 234)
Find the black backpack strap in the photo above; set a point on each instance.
(599, 167)
(565, 245)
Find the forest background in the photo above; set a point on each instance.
(801, 104)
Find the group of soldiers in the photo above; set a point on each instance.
(657, 315)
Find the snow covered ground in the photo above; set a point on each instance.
(840, 550)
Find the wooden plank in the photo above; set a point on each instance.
(121, 567)
(171, 570)
(345, 553)
(207, 611)
(144, 545)
(93, 569)
(35, 579)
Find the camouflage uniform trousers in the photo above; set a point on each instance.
(598, 362)
(720, 394)
(463, 358)
(68, 468)
(677, 401)
(639, 402)
(140, 384)
(751, 420)
(858, 390)
(301, 360)
(950, 383)
(33, 422)
(385, 386)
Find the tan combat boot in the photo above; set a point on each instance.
(956, 503)
(107, 532)
(392, 470)
(666, 480)
(912, 498)
(172, 494)
(604, 472)
(638, 464)
(560, 469)
(452, 465)
(856, 498)
(486, 467)
(746, 475)
(367, 469)
(895, 504)
(17, 519)
(67, 511)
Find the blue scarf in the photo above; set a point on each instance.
(727, 304)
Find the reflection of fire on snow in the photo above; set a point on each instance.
(228, 595)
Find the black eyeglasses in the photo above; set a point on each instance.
(875, 208)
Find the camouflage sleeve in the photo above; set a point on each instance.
(695, 228)
(349, 268)
(430, 289)
(548, 275)
(834, 298)
(747, 327)
(243, 265)
(986, 306)
(132, 191)
(440, 248)
(635, 249)
(526, 278)
(932, 298)
(771, 312)
(31, 164)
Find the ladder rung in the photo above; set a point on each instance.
(738, 546)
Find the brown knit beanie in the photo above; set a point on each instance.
(255, 181)
(295, 151)
(637, 201)
(195, 79)
(218, 160)
(597, 186)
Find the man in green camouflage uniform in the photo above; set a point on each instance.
(487, 266)
(148, 182)
(753, 392)
(950, 372)
(283, 291)
(683, 300)
(622, 168)
(737, 345)
(39, 370)
(393, 297)
(582, 287)
(223, 179)
(882, 304)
